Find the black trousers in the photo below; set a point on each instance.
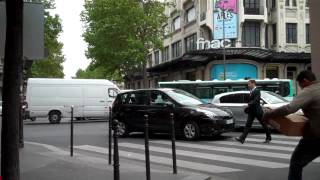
(250, 119)
(306, 151)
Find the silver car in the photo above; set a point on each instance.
(237, 101)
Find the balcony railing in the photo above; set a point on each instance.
(254, 11)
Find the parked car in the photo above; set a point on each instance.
(237, 101)
(192, 118)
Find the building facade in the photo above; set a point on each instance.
(265, 39)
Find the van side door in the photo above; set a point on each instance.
(94, 101)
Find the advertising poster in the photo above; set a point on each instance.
(225, 16)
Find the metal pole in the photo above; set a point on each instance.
(116, 165)
(173, 140)
(146, 118)
(110, 136)
(71, 133)
(223, 44)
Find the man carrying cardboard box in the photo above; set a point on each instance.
(308, 100)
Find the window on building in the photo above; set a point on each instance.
(274, 34)
(165, 54)
(191, 14)
(294, 3)
(291, 32)
(166, 30)
(308, 33)
(291, 72)
(149, 60)
(191, 43)
(251, 6)
(251, 34)
(176, 23)
(266, 36)
(191, 76)
(287, 2)
(272, 72)
(156, 57)
(307, 3)
(176, 49)
(273, 4)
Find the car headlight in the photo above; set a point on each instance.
(207, 113)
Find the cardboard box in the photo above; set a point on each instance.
(291, 125)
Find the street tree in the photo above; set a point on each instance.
(121, 33)
(11, 91)
(51, 66)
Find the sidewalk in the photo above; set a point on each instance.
(40, 161)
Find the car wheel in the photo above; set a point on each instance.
(54, 117)
(191, 131)
(122, 129)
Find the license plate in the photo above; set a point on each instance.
(230, 121)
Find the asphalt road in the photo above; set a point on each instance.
(220, 156)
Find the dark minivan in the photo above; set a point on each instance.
(192, 117)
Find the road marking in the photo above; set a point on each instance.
(210, 156)
(279, 136)
(273, 141)
(164, 161)
(260, 146)
(230, 150)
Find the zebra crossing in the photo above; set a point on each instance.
(211, 156)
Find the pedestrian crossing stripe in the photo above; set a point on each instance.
(229, 150)
(273, 141)
(296, 138)
(232, 150)
(263, 135)
(163, 160)
(210, 156)
(250, 145)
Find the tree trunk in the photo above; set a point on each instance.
(11, 91)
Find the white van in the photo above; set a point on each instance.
(53, 98)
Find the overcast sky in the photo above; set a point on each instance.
(74, 45)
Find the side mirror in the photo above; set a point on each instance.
(261, 102)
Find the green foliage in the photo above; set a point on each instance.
(120, 33)
(51, 66)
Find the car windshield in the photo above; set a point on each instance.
(184, 98)
(272, 98)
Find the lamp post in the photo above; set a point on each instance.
(223, 44)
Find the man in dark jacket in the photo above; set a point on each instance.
(308, 100)
(254, 110)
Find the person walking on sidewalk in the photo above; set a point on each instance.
(308, 100)
(254, 110)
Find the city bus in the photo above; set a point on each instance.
(206, 90)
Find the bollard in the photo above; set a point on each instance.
(71, 135)
(173, 140)
(146, 118)
(110, 135)
(116, 165)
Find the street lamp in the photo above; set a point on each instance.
(223, 44)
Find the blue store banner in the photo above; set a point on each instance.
(230, 19)
(234, 71)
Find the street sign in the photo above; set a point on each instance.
(33, 30)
